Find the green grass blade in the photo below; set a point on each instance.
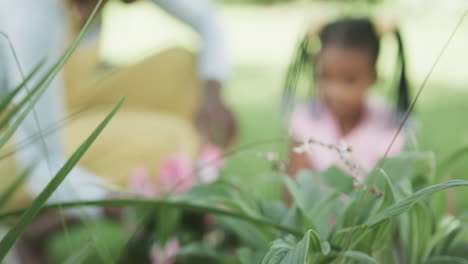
(36, 206)
(389, 192)
(9, 97)
(42, 85)
(310, 249)
(80, 256)
(10, 191)
(293, 189)
(153, 204)
(17, 108)
(446, 260)
(405, 204)
(358, 257)
(25, 143)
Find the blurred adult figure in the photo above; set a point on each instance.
(167, 96)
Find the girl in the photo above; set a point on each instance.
(343, 117)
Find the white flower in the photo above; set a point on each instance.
(208, 174)
(344, 148)
(270, 156)
(304, 148)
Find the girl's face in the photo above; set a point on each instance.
(343, 76)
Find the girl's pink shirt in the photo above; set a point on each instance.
(368, 140)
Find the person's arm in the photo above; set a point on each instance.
(215, 120)
(201, 15)
(38, 30)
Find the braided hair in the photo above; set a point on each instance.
(356, 33)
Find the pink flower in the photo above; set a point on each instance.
(213, 155)
(210, 162)
(165, 255)
(176, 174)
(140, 182)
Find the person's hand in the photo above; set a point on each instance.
(82, 10)
(215, 121)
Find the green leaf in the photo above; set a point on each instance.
(274, 210)
(248, 256)
(245, 255)
(358, 210)
(357, 256)
(325, 208)
(370, 239)
(7, 242)
(405, 204)
(293, 219)
(198, 253)
(446, 232)
(168, 219)
(388, 194)
(438, 205)
(252, 235)
(222, 194)
(153, 204)
(418, 167)
(43, 84)
(420, 232)
(348, 238)
(337, 180)
(298, 195)
(379, 237)
(278, 251)
(446, 260)
(309, 250)
(80, 256)
(10, 191)
(295, 192)
(310, 189)
(5, 102)
(107, 240)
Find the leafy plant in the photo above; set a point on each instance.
(394, 225)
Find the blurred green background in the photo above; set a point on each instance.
(261, 37)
